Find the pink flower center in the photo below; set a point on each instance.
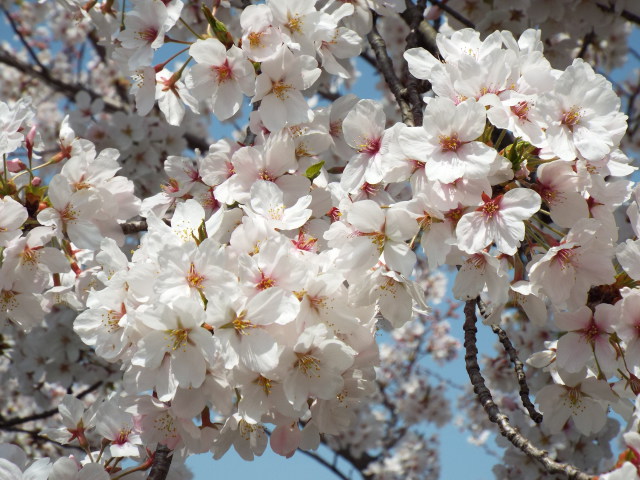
(223, 72)
(265, 282)
(591, 333)
(491, 207)
(123, 437)
(265, 175)
(520, 110)
(371, 146)
(194, 279)
(149, 34)
(563, 257)
(450, 143)
(571, 118)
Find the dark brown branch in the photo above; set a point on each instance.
(415, 14)
(23, 40)
(5, 425)
(161, 463)
(627, 15)
(447, 9)
(385, 66)
(588, 39)
(518, 366)
(135, 226)
(493, 412)
(37, 436)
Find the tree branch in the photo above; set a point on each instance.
(385, 66)
(588, 39)
(324, 463)
(415, 14)
(518, 366)
(493, 412)
(135, 226)
(627, 15)
(161, 463)
(47, 413)
(447, 9)
(23, 40)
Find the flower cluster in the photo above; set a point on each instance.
(250, 304)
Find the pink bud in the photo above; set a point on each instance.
(31, 136)
(15, 165)
(36, 181)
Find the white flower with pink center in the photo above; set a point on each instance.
(221, 77)
(583, 114)
(498, 220)
(567, 270)
(585, 400)
(447, 141)
(557, 184)
(588, 334)
(363, 130)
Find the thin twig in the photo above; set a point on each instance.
(385, 66)
(447, 9)
(325, 463)
(23, 40)
(47, 413)
(627, 15)
(493, 412)
(518, 366)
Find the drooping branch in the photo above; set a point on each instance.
(161, 463)
(493, 411)
(385, 66)
(47, 413)
(518, 366)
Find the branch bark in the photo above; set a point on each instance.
(385, 66)
(493, 411)
(454, 14)
(161, 463)
(47, 413)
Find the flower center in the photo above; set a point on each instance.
(571, 118)
(520, 110)
(280, 89)
(450, 143)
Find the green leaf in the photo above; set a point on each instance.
(313, 171)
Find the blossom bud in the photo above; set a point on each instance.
(36, 181)
(15, 165)
(30, 140)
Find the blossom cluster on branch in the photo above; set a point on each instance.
(248, 307)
